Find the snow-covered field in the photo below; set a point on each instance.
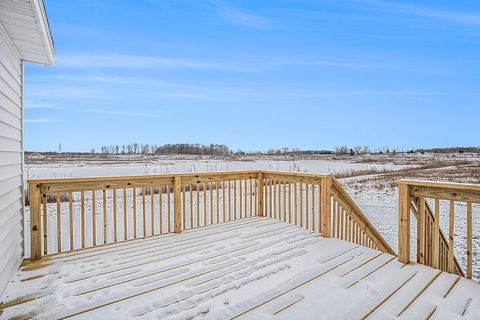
(85, 169)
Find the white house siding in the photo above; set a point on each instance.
(11, 159)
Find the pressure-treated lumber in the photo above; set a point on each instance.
(35, 222)
(403, 224)
(176, 205)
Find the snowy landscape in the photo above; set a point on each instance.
(369, 179)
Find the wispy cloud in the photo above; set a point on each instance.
(137, 62)
(237, 16)
(38, 105)
(41, 120)
(112, 112)
(96, 62)
(428, 12)
(326, 64)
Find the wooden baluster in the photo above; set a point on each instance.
(125, 218)
(229, 200)
(251, 197)
(152, 209)
(70, 216)
(284, 201)
(235, 199)
(191, 205)
(451, 234)
(342, 222)
(240, 198)
(270, 198)
(307, 208)
(256, 189)
(114, 194)
(274, 199)
(211, 203)
(295, 195)
(59, 224)
(177, 224)
(104, 203)
(160, 208)
(198, 204)
(422, 231)
(45, 224)
(144, 213)
(224, 202)
(313, 207)
(82, 213)
(134, 192)
(319, 208)
(469, 240)
(169, 218)
(246, 197)
(217, 202)
(245, 207)
(204, 188)
(336, 219)
(184, 208)
(279, 199)
(301, 204)
(279, 187)
(289, 202)
(353, 227)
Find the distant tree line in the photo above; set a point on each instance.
(223, 150)
(194, 149)
(133, 148)
(180, 148)
(197, 149)
(450, 150)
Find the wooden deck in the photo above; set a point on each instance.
(253, 268)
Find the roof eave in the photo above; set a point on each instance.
(42, 22)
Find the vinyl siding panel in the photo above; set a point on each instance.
(11, 157)
(7, 158)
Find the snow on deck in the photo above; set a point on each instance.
(255, 268)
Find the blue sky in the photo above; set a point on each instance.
(257, 74)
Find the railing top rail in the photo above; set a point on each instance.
(445, 185)
(53, 181)
(139, 177)
(296, 174)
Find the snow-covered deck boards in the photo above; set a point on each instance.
(254, 268)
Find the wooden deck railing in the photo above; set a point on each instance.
(69, 214)
(319, 203)
(86, 212)
(433, 248)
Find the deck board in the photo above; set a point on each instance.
(247, 269)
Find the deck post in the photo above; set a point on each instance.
(35, 223)
(326, 201)
(177, 190)
(403, 223)
(260, 194)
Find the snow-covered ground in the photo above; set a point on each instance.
(75, 169)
